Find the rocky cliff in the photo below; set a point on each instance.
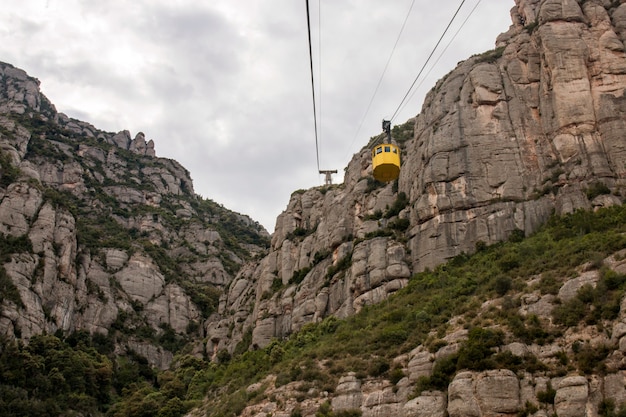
(100, 235)
(507, 138)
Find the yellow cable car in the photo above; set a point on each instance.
(386, 158)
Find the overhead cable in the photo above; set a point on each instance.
(441, 54)
(319, 73)
(426, 63)
(382, 76)
(308, 21)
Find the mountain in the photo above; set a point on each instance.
(366, 300)
(507, 139)
(99, 234)
(531, 128)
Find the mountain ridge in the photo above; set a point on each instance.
(506, 140)
(117, 236)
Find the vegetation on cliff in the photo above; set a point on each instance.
(113, 198)
(80, 372)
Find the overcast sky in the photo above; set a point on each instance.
(224, 87)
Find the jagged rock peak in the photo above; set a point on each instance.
(20, 93)
(99, 235)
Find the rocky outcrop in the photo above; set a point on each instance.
(100, 235)
(269, 301)
(551, 389)
(489, 393)
(502, 141)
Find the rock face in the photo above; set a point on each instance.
(488, 393)
(539, 392)
(507, 138)
(503, 141)
(99, 235)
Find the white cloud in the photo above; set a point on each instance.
(223, 86)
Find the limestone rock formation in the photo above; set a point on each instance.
(507, 138)
(99, 235)
(493, 392)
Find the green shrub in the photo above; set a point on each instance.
(320, 256)
(76, 379)
(569, 313)
(548, 283)
(169, 339)
(299, 275)
(300, 231)
(205, 296)
(528, 410)
(402, 133)
(606, 408)
(378, 367)
(531, 27)
(10, 244)
(341, 265)
(400, 224)
(223, 356)
(490, 56)
(516, 236)
(590, 359)
(595, 189)
(8, 172)
(509, 261)
(377, 215)
(398, 205)
(593, 304)
(547, 396)
(233, 404)
(611, 279)
(528, 329)
(8, 290)
(379, 233)
(277, 284)
(502, 285)
(373, 184)
(324, 410)
(245, 343)
(395, 375)
(475, 354)
(443, 371)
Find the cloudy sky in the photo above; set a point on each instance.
(224, 87)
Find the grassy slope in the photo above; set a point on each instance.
(420, 314)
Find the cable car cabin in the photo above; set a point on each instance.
(386, 162)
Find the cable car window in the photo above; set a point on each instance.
(379, 150)
(395, 150)
(387, 149)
